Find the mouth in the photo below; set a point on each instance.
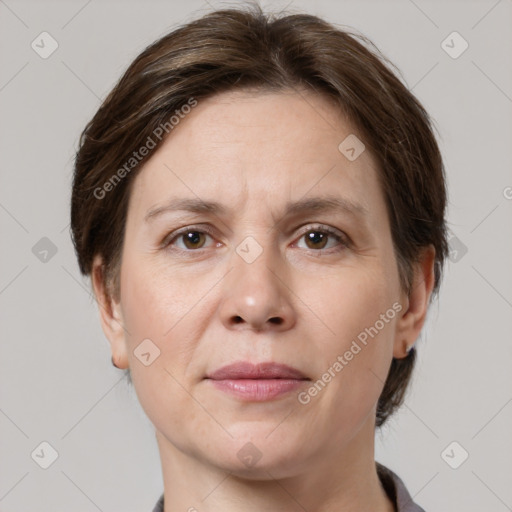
(257, 382)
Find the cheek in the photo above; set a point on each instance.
(170, 307)
(157, 307)
(355, 299)
(359, 311)
(153, 299)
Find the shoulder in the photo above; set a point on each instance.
(396, 490)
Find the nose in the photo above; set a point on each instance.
(256, 296)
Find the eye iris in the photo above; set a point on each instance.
(316, 237)
(192, 237)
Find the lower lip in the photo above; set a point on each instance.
(257, 390)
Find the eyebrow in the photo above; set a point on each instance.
(322, 204)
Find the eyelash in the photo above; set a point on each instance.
(343, 240)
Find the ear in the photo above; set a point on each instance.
(414, 312)
(110, 315)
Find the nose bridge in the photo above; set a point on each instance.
(255, 292)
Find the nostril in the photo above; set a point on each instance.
(276, 320)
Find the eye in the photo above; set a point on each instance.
(318, 237)
(191, 238)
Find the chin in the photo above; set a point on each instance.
(256, 454)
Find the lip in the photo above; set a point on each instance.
(257, 382)
(247, 370)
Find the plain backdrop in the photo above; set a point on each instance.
(57, 384)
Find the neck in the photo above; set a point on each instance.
(335, 480)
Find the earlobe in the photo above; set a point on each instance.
(110, 315)
(414, 314)
(402, 349)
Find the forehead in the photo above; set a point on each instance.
(266, 147)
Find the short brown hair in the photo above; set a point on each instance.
(245, 48)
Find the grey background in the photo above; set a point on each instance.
(56, 380)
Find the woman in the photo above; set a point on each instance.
(260, 204)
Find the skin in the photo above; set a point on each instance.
(300, 303)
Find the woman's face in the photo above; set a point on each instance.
(288, 260)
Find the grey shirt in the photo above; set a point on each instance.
(392, 484)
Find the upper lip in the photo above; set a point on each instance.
(247, 370)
